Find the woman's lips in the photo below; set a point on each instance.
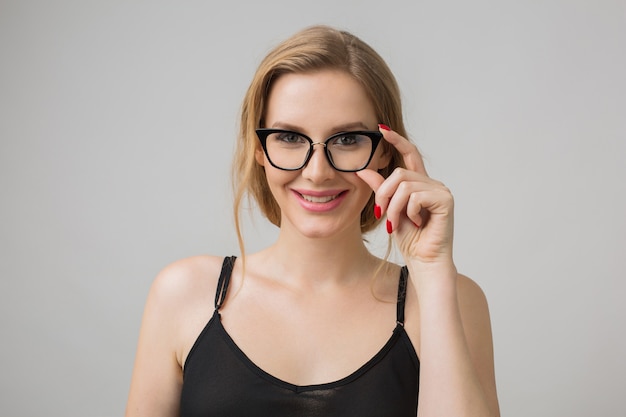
(320, 200)
(315, 199)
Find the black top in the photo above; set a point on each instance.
(220, 380)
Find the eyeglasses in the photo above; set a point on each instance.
(346, 151)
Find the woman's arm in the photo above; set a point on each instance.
(157, 376)
(178, 306)
(455, 348)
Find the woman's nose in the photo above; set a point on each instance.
(318, 169)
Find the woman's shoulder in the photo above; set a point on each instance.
(470, 292)
(184, 280)
(474, 311)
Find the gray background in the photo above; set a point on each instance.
(117, 122)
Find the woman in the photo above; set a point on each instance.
(315, 325)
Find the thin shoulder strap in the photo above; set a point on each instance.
(404, 275)
(224, 280)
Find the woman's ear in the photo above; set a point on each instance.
(259, 156)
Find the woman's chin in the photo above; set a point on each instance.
(324, 230)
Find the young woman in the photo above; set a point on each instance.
(316, 325)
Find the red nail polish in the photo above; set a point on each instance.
(377, 211)
(389, 227)
(384, 127)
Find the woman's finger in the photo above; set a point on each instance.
(410, 153)
(371, 178)
(387, 189)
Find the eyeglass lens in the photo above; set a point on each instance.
(347, 151)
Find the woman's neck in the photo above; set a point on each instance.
(321, 261)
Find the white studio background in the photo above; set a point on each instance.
(117, 123)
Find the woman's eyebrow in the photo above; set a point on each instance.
(351, 126)
(338, 128)
(286, 126)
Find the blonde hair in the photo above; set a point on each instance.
(312, 49)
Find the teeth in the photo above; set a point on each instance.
(324, 199)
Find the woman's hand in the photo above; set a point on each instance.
(452, 327)
(419, 209)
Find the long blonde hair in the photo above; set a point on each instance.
(312, 49)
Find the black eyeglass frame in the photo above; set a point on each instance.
(374, 136)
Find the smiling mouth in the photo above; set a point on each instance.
(319, 199)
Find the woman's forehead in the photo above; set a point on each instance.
(328, 98)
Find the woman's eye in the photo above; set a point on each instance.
(345, 140)
(290, 138)
(348, 140)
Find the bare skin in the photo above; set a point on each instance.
(332, 319)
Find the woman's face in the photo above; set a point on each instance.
(317, 200)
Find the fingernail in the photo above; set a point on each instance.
(383, 127)
(377, 211)
(416, 225)
(389, 227)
